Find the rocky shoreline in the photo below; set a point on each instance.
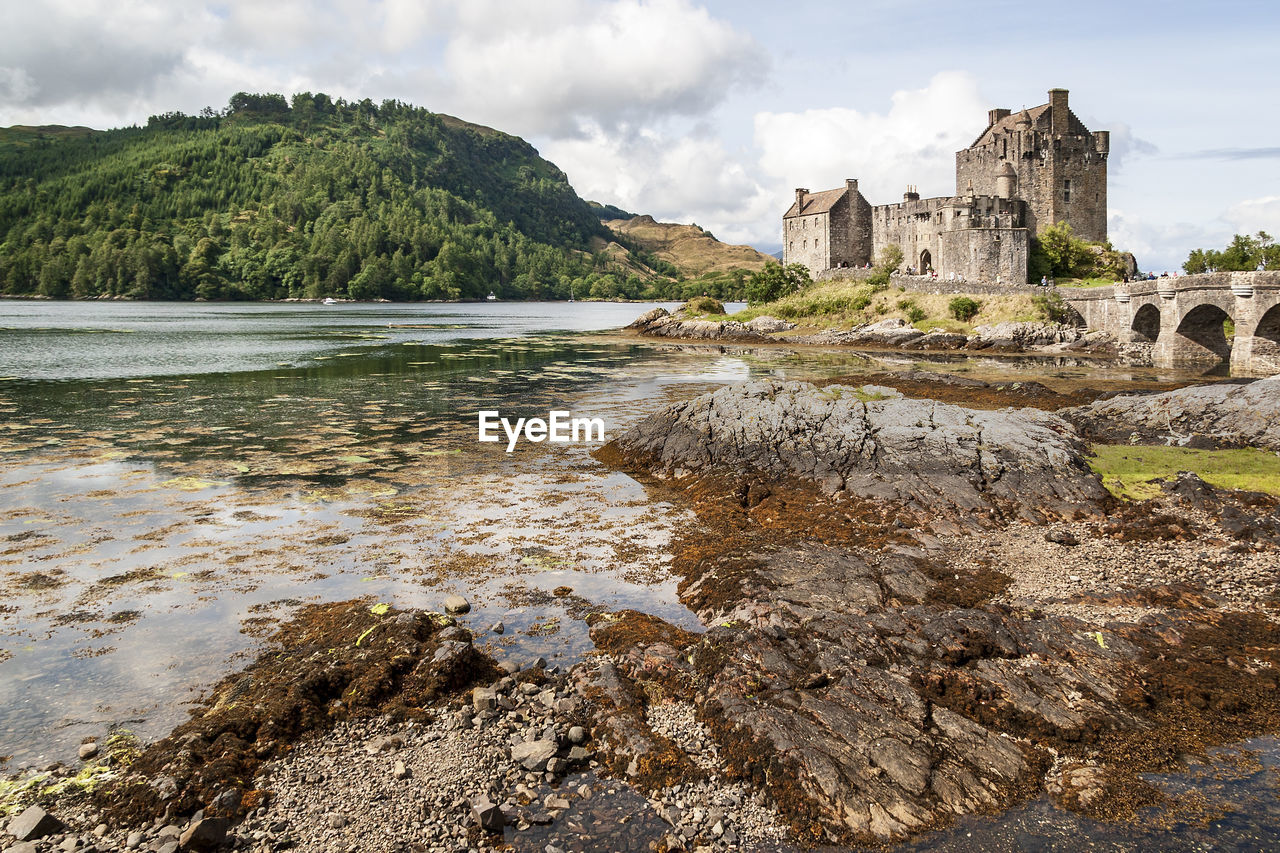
(892, 333)
(915, 610)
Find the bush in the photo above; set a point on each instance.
(879, 280)
(1054, 308)
(776, 281)
(702, 305)
(963, 308)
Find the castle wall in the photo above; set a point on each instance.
(806, 240)
(986, 254)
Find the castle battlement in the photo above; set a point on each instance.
(1025, 171)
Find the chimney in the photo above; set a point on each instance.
(995, 115)
(1060, 115)
(912, 194)
(800, 194)
(851, 185)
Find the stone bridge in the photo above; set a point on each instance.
(1186, 318)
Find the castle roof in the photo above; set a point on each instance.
(816, 203)
(1041, 119)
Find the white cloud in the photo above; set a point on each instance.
(1254, 215)
(913, 143)
(1160, 246)
(674, 176)
(565, 64)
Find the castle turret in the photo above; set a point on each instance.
(1102, 142)
(1006, 181)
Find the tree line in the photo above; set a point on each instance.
(303, 197)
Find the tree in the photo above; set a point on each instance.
(776, 281)
(1064, 254)
(891, 258)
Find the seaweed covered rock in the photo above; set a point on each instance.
(1225, 414)
(331, 662)
(936, 459)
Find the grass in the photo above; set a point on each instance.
(842, 304)
(1086, 282)
(1136, 472)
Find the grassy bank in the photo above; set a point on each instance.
(1136, 472)
(843, 304)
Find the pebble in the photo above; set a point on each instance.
(88, 750)
(456, 605)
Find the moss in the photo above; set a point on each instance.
(1135, 473)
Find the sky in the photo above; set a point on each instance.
(713, 112)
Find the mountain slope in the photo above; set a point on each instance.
(302, 198)
(690, 250)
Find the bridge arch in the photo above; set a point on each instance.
(1146, 324)
(1266, 341)
(1200, 335)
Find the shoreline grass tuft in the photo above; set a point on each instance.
(1136, 472)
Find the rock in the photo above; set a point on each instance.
(1062, 537)
(34, 823)
(399, 770)
(577, 735)
(648, 318)
(534, 755)
(168, 847)
(206, 834)
(498, 628)
(766, 325)
(134, 840)
(88, 750)
(388, 743)
(337, 821)
(1223, 414)
(487, 815)
(940, 460)
(484, 699)
(456, 605)
(23, 847)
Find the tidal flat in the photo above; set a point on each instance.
(193, 478)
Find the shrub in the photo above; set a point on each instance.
(703, 305)
(963, 308)
(776, 281)
(1054, 308)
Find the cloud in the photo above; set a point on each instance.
(1254, 215)
(563, 65)
(681, 175)
(913, 143)
(1161, 245)
(1235, 154)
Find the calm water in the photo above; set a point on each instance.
(175, 479)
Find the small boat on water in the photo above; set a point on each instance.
(491, 297)
(329, 300)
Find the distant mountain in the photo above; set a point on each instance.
(684, 250)
(306, 197)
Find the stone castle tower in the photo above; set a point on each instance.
(1048, 158)
(1023, 173)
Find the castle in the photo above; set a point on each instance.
(1025, 172)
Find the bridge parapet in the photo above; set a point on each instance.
(1187, 319)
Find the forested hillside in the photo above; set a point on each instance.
(307, 197)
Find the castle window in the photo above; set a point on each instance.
(1066, 190)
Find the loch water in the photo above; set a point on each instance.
(177, 479)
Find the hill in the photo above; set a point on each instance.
(690, 250)
(276, 198)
